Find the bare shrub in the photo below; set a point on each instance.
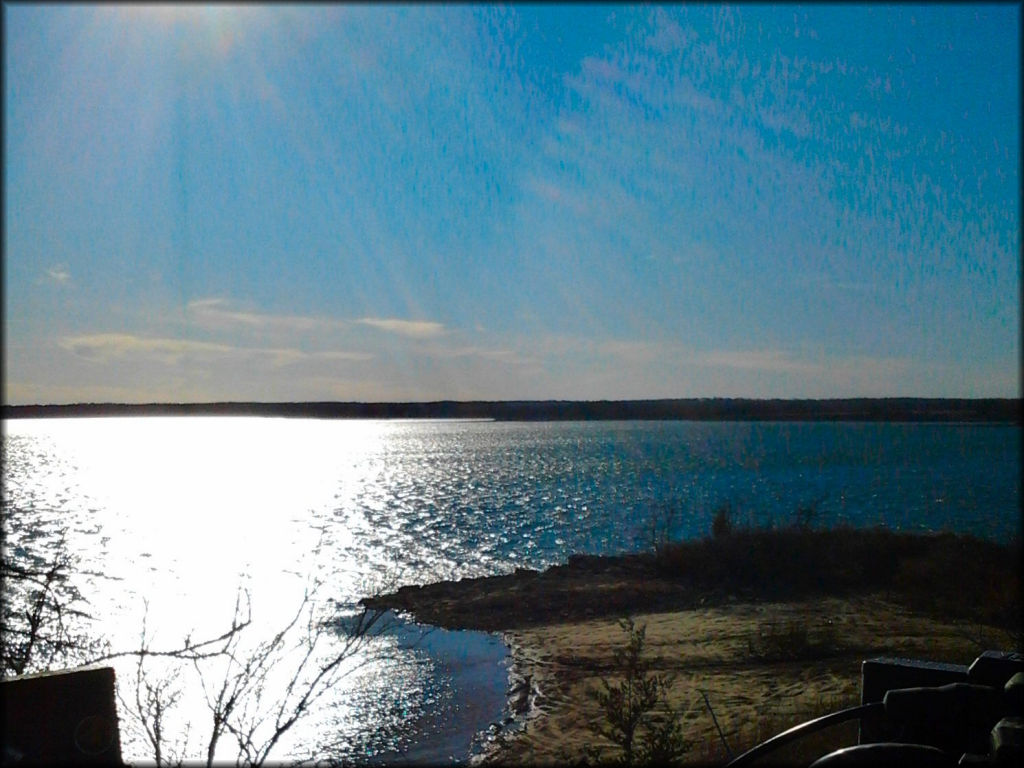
(39, 604)
(792, 640)
(254, 693)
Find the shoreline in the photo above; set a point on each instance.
(522, 695)
(768, 652)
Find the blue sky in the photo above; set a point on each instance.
(470, 202)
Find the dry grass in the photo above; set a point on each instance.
(707, 651)
(793, 640)
(788, 616)
(777, 717)
(956, 577)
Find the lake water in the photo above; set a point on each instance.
(168, 518)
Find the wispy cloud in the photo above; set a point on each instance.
(416, 329)
(216, 312)
(58, 274)
(172, 351)
(220, 313)
(553, 192)
(105, 345)
(757, 360)
(492, 354)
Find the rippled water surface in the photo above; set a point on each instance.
(183, 512)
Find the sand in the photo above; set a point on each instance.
(723, 634)
(707, 651)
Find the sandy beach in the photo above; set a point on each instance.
(706, 650)
(734, 649)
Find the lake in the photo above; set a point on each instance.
(167, 518)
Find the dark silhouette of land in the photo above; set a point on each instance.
(748, 564)
(1001, 410)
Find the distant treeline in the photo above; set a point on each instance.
(702, 409)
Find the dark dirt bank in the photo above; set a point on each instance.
(947, 575)
(585, 588)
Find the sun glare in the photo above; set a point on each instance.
(178, 13)
(216, 26)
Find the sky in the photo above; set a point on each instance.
(470, 202)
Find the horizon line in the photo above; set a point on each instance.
(703, 409)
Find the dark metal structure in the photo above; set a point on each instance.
(925, 713)
(61, 718)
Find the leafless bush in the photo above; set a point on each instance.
(38, 609)
(254, 693)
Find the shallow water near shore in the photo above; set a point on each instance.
(184, 512)
(467, 682)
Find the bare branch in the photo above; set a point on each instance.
(188, 652)
(257, 693)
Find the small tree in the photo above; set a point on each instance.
(628, 707)
(805, 516)
(662, 519)
(721, 524)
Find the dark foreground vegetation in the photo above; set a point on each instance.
(951, 576)
(1002, 410)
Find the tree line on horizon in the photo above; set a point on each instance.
(696, 409)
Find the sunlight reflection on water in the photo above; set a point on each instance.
(184, 512)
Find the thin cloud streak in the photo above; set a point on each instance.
(760, 360)
(220, 313)
(171, 351)
(416, 329)
(217, 313)
(103, 345)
